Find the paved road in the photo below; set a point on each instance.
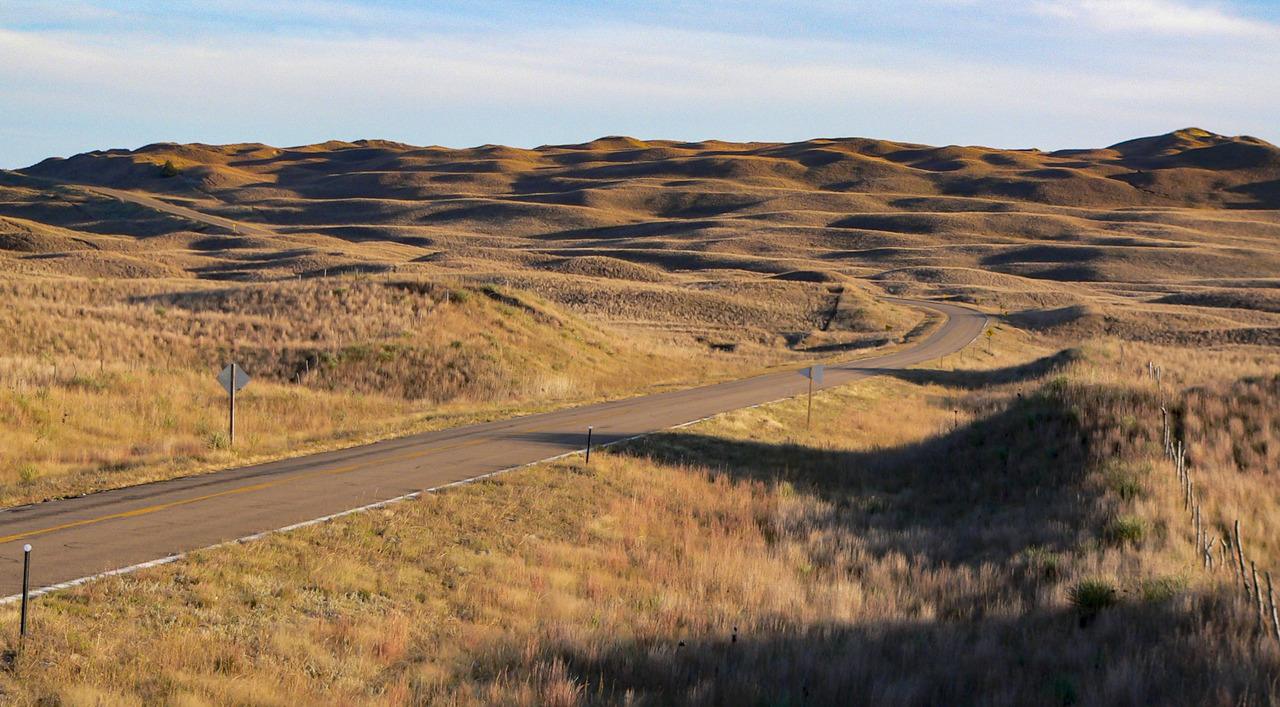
(79, 537)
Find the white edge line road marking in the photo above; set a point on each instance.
(41, 591)
(323, 519)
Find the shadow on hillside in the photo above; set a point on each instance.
(978, 508)
(1134, 654)
(985, 492)
(976, 379)
(843, 346)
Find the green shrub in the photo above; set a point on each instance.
(218, 440)
(169, 169)
(1125, 481)
(1125, 530)
(1092, 595)
(28, 473)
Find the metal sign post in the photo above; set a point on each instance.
(814, 374)
(232, 378)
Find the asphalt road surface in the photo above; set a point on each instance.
(81, 537)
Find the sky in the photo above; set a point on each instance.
(78, 75)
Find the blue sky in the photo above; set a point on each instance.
(84, 74)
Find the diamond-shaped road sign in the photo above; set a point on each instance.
(241, 378)
(815, 374)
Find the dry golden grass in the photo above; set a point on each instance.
(107, 383)
(706, 243)
(998, 530)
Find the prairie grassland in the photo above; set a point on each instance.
(998, 530)
(105, 383)
(1001, 529)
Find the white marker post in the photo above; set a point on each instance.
(815, 375)
(232, 378)
(26, 588)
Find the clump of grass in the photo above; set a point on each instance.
(1125, 530)
(1089, 596)
(28, 473)
(1044, 563)
(1161, 589)
(1126, 480)
(219, 440)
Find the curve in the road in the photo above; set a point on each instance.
(77, 539)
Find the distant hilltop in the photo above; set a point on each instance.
(1189, 167)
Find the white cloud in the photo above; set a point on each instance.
(86, 90)
(1159, 16)
(623, 65)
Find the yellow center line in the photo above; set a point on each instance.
(171, 504)
(238, 490)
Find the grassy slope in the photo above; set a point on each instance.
(109, 383)
(880, 555)
(920, 544)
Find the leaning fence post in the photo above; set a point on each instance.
(1240, 556)
(1257, 594)
(1275, 618)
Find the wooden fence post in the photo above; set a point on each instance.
(1275, 617)
(1257, 594)
(1196, 515)
(1164, 425)
(1240, 556)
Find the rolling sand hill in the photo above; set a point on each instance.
(1003, 526)
(727, 242)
